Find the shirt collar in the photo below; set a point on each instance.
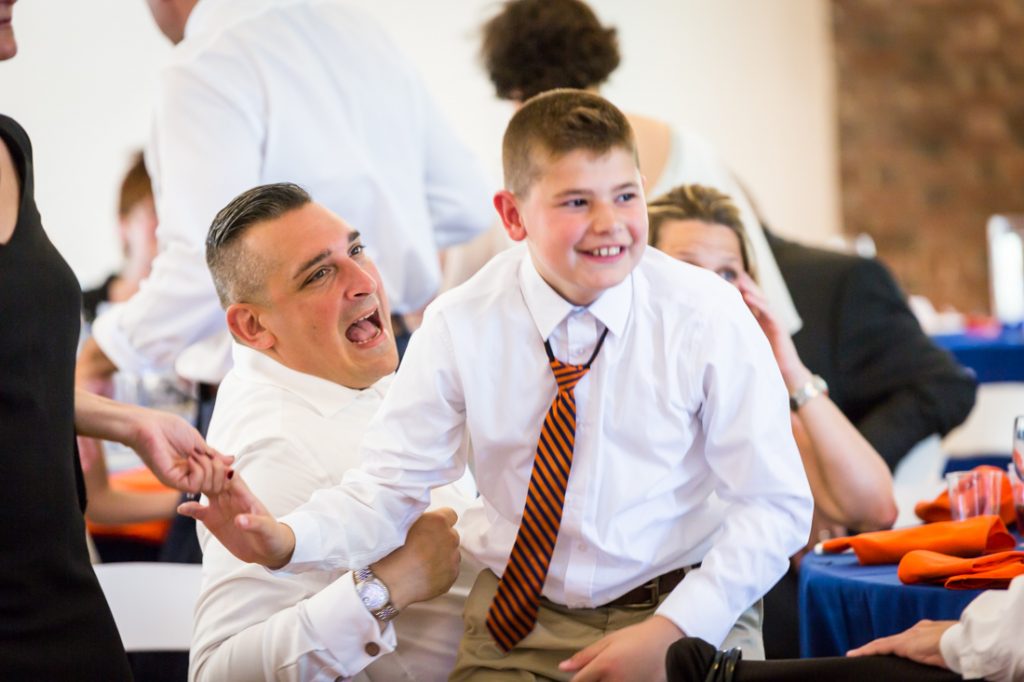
(548, 308)
(326, 397)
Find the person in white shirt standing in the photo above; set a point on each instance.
(313, 355)
(648, 376)
(305, 91)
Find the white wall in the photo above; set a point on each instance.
(755, 77)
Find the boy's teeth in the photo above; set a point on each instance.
(607, 251)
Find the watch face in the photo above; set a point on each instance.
(373, 594)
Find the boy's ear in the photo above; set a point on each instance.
(245, 324)
(505, 203)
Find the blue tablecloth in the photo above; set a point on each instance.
(844, 605)
(998, 358)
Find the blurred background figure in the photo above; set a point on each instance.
(851, 483)
(56, 623)
(130, 511)
(136, 228)
(884, 385)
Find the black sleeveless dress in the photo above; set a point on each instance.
(54, 621)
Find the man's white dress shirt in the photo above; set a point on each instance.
(986, 644)
(292, 434)
(304, 91)
(684, 451)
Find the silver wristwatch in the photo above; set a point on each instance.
(814, 387)
(374, 594)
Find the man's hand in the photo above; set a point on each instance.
(176, 452)
(633, 653)
(427, 564)
(920, 643)
(243, 525)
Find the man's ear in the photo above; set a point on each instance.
(508, 210)
(245, 324)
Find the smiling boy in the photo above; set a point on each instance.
(638, 478)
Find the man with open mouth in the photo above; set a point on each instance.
(313, 355)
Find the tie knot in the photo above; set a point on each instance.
(568, 375)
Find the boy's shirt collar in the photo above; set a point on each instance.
(548, 308)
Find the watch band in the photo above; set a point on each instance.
(814, 387)
(385, 613)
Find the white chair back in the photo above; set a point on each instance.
(152, 602)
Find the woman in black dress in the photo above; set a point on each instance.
(54, 621)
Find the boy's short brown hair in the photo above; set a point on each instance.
(697, 202)
(555, 123)
(532, 46)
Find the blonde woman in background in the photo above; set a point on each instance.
(851, 483)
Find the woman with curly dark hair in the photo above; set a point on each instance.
(531, 46)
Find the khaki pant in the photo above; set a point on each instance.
(561, 632)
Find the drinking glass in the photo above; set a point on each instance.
(974, 493)
(1018, 445)
(1017, 485)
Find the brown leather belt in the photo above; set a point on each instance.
(648, 594)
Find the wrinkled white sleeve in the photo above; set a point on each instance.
(251, 624)
(204, 150)
(986, 644)
(411, 446)
(750, 451)
(458, 191)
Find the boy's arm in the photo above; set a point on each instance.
(751, 454)
(410, 447)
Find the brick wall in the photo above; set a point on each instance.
(931, 134)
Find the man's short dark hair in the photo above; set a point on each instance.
(554, 124)
(532, 46)
(237, 272)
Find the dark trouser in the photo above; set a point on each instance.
(781, 618)
(689, 660)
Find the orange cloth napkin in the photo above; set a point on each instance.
(137, 480)
(971, 537)
(992, 571)
(938, 509)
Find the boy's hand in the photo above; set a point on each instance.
(633, 653)
(427, 564)
(920, 643)
(244, 526)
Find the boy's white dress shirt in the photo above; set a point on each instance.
(292, 434)
(304, 91)
(684, 450)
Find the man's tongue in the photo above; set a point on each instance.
(363, 330)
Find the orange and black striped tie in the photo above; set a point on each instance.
(513, 612)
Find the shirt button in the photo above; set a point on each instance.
(372, 649)
(582, 547)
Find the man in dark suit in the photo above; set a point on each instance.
(882, 371)
(889, 379)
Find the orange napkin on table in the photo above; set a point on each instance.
(992, 571)
(938, 509)
(971, 537)
(136, 480)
